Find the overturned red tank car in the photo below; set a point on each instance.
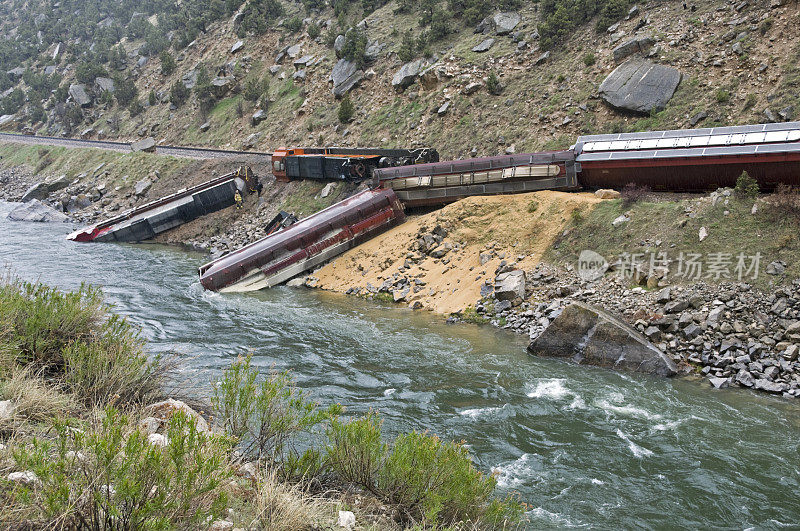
(305, 244)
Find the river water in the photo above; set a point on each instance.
(584, 447)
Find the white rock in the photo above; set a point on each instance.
(150, 424)
(6, 410)
(219, 525)
(165, 408)
(346, 519)
(156, 439)
(703, 234)
(605, 193)
(620, 220)
(25, 478)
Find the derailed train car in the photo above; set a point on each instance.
(146, 221)
(445, 182)
(342, 164)
(305, 244)
(692, 160)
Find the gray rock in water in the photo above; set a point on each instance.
(631, 47)
(509, 286)
(408, 74)
(484, 46)
(504, 23)
(79, 95)
(344, 76)
(592, 336)
(35, 210)
(146, 144)
(640, 86)
(720, 383)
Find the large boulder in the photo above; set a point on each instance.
(344, 76)
(509, 286)
(79, 95)
(593, 337)
(407, 74)
(338, 45)
(221, 86)
(39, 190)
(640, 86)
(189, 79)
(504, 23)
(104, 84)
(146, 144)
(484, 46)
(35, 210)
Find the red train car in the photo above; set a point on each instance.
(694, 160)
(305, 244)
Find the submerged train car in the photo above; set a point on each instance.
(445, 182)
(145, 221)
(305, 244)
(693, 160)
(342, 164)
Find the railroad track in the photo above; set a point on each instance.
(125, 147)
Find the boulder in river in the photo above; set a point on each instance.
(591, 336)
(35, 210)
(640, 86)
(510, 285)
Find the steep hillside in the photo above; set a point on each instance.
(202, 79)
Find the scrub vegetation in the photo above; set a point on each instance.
(77, 386)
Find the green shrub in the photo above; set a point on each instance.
(72, 338)
(493, 84)
(135, 108)
(750, 102)
(746, 186)
(533, 206)
(87, 72)
(355, 46)
(722, 96)
(408, 47)
(111, 477)
(168, 64)
(294, 24)
(589, 59)
(425, 479)
(346, 110)
(255, 88)
(124, 90)
(313, 31)
(355, 450)
(151, 98)
(266, 417)
(178, 94)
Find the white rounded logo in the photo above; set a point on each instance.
(591, 266)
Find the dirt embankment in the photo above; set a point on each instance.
(482, 234)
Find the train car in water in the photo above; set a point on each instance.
(305, 244)
(692, 160)
(342, 164)
(145, 221)
(445, 182)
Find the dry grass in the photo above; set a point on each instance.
(33, 400)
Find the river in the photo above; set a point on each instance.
(584, 447)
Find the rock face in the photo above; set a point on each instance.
(35, 210)
(408, 74)
(504, 23)
(146, 144)
(640, 86)
(79, 95)
(345, 76)
(591, 336)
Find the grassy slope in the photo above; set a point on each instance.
(766, 232)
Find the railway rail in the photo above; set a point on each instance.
(125, 147)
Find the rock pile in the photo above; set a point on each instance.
(731, 333)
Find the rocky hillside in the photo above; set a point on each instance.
(455, 74)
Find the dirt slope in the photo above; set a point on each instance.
(514, 228)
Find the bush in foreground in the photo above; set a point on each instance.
(73, 339)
